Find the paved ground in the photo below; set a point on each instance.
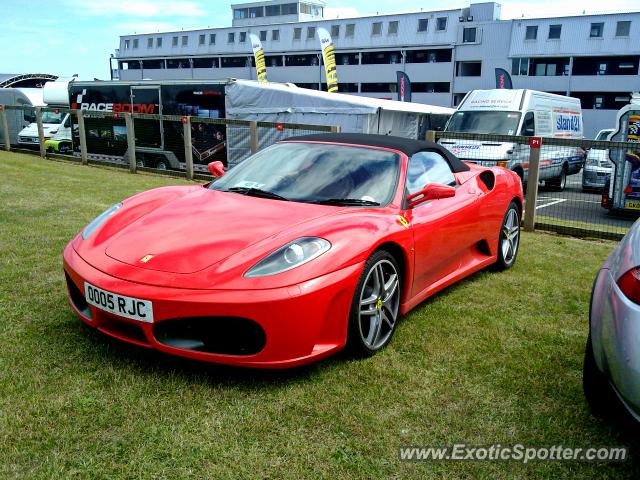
(574, 205)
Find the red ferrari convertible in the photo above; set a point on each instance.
(311, 245)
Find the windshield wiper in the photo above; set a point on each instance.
(356, 202)
(256, 192)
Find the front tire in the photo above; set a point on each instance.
(509, 240)
(597, 390)
(376, 306)
(559, 183)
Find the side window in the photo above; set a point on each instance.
(428, 167)
(528, 125)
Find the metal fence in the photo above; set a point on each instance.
(163, 143)
(578, 187)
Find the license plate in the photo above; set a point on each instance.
(632, 204)
(128, 307)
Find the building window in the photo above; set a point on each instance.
(532, 32)
(231, 38)
(297, 33)
(351, 30)
(347, 58)
(135, 43)
(212, 39)
(423, 25)
(376, 29)
(335, 31)
(275, 35)
(606, 65)
(309, 9)
(469, 35)
(623, 28)
(272, 10)
(311, 33)
(290, 9)
(381, 58)
(274, 61)
(302, 60)
(243, 37)
(256, 12)
(469, 69)
(549, 67)
(149, 42)
(240, 13)
(185, 41)
(201, 39)
(158, 42)
(126, 44)
(263, 35)
(441, 24)
(174, 41)
(554, 32)
(597, 29)
(429, 56)
(393, 27)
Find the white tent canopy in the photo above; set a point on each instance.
(286, 103)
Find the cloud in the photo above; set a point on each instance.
(340, 12)
(552, 8)
(139, 8)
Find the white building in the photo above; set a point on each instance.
(446, 53)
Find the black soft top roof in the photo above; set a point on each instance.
(405, 145)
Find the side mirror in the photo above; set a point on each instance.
(216, 169)
(432, 191)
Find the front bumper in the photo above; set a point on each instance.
(615, 327)
(302, 323)
(595, 178)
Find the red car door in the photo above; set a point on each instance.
(444, 230)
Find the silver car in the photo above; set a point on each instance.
(612, 358)
(597, 166)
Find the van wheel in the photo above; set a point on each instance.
(560, 182)
(161, 165)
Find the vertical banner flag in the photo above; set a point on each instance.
(404, 87)
(258, 52)
(329, 57)
(503, 79)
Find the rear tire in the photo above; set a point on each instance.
(375, 309)
(559, 183)
(509, 239)
(162, 165)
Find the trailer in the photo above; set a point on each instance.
(25, 98)
(159, 143)
(286, 103)
(622, 189)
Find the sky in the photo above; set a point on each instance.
(66, 37)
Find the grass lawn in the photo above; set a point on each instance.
(495, 359)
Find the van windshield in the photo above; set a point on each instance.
(52, 117)
(497, 123)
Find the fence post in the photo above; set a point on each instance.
(535, 143)
(188, 147)
(40, 131)
(131, 142)
(253, 141)
(83, 138)
(431, 136)
(5, 128)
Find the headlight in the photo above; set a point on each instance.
(99, 220)
(290, 256)
(591, 162)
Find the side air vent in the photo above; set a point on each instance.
(488, 179)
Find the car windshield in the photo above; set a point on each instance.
(496, 123)
(316, 173)
(52, 117)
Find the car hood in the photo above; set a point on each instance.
(476, 150)
(32, 129)
(202, 228)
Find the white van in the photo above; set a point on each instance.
(519, 112)
(53, 123)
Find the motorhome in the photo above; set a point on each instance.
(17, 119)
(525, 113)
